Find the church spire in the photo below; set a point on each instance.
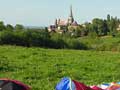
(71, 18)
(71, 13)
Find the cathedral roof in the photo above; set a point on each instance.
(74, 23)
(63, 23)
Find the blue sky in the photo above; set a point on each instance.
(44, 12)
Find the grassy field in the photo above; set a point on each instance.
(106, 43)
(43, 68)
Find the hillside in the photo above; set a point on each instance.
(43, 68)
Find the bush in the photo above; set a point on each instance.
(39, 38)
(73, 43)
(58, 41)
(24, 38)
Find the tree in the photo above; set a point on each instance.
(2, 26)
(108, 18)
(19, 27)
(78, 31)
(113, 26)
(101, 26)
(97, 25)
(105, 28)
(9, 27)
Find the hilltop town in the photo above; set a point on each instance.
(61, 26)
(101, 27)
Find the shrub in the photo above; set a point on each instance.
(40, 38)
(58, 41)
(73, 43)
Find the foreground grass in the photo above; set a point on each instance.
(43, 68)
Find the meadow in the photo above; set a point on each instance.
(43, 68)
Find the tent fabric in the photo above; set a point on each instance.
(81, 86)
(96, 88)
(65, 84)
(68, 84)
(111, 86)
(8, 84)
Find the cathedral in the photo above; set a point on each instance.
(63, 25)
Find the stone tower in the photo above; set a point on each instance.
(71, 18)
(56, 23)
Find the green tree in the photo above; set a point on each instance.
(113, 26)
(100, 26)
(9, 27)
(19, 27)
(97, 26)
(108, 18)
(2, 26)
(78, 32)
(105, 28)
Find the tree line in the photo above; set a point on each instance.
(98, 27)
(21, 36)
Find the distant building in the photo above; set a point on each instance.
(51, 28)
(61, 26)
(118, 28)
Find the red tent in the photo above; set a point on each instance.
(8, 84)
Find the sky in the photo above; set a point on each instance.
(44, 12)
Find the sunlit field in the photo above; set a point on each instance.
(42, 68)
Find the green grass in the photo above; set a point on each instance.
(43, 68)
(105, 43)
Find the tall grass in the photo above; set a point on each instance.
(102, 43)
(43, 68)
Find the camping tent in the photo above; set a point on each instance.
(67, 84)
(7, 84)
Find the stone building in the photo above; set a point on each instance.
(61, 26)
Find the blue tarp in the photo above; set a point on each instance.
(65, 84)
